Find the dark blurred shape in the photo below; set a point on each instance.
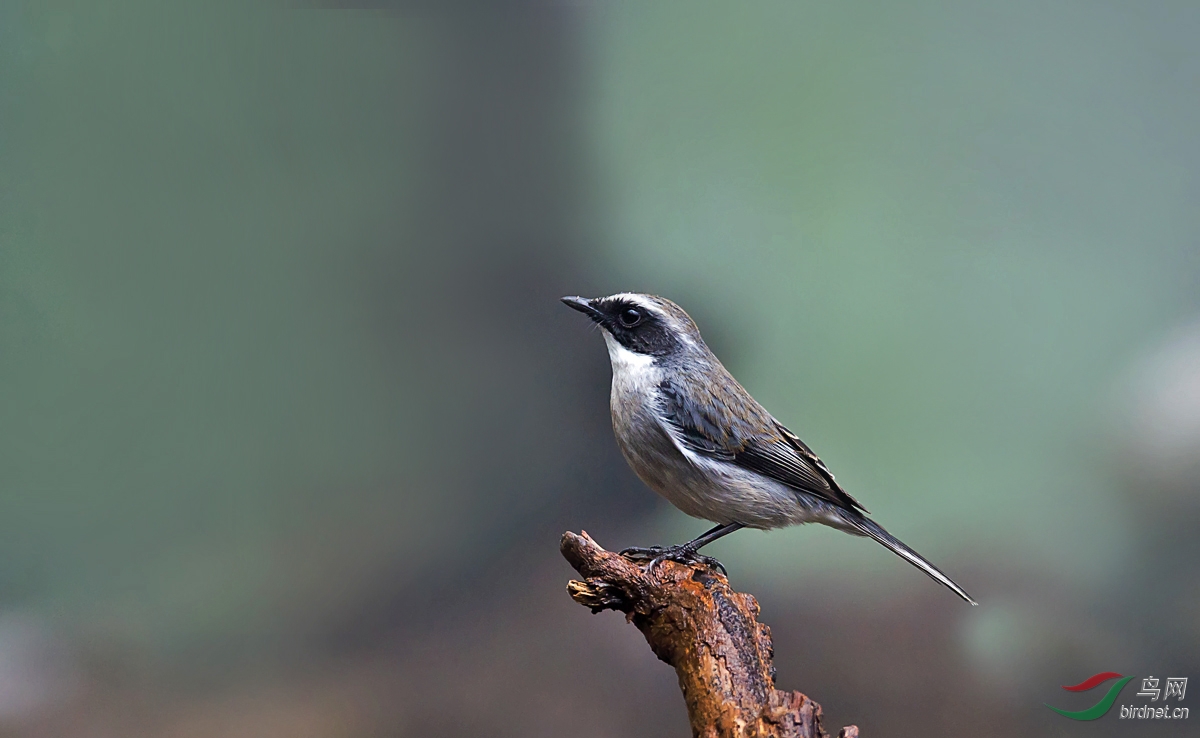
(1158, 455)
(466, 305)
(308, 363)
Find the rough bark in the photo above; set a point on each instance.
(708, 633)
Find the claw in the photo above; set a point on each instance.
(681, 554)
(712, 563)
(641, 553)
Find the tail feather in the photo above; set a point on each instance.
(865, 526)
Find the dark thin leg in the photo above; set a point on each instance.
(684, 553)
(718, 532)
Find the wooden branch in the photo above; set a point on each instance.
(709, 633)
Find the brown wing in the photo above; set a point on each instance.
(751, 439)
(811, 462)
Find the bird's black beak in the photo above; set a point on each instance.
(584, 306)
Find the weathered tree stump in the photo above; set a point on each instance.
(709, 633)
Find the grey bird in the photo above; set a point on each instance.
(697, 437)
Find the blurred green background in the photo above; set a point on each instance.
(292, 419)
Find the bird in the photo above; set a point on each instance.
(695, 436)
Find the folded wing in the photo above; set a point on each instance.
(747, 436)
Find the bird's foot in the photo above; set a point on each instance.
(682, 554)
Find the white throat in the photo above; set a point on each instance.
(631, 370)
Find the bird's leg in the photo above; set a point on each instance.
(684, 553)
(709, 536)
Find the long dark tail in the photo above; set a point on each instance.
(863, 525)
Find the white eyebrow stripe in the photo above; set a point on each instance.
(636, 299)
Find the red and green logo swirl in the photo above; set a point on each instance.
(1097, 710)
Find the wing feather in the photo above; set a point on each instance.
(751, 439)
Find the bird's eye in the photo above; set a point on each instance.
(630, 317)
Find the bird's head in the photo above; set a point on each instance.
(645, 325)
